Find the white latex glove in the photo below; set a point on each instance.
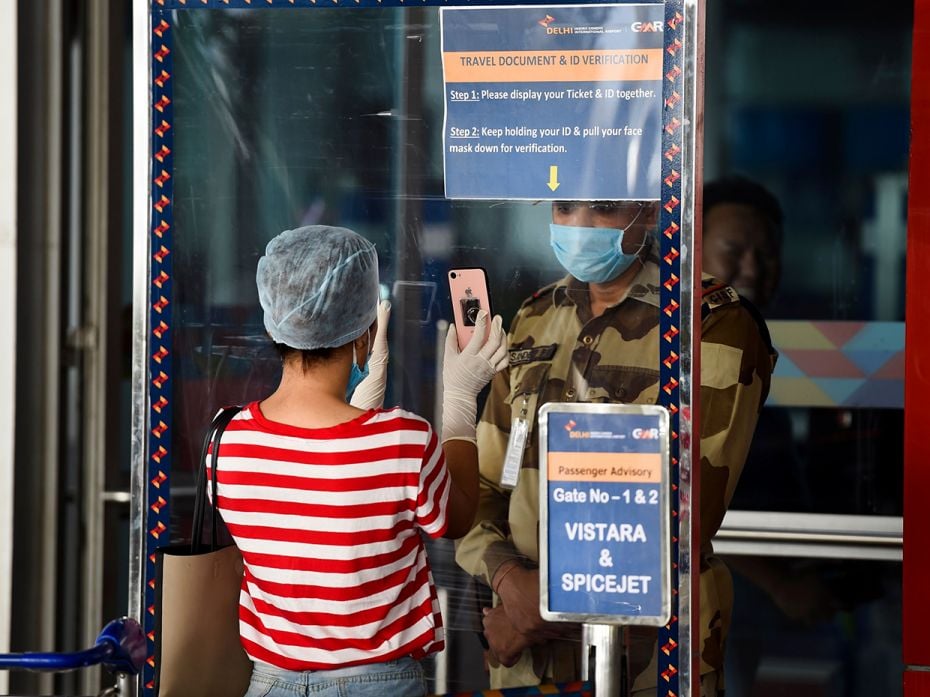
(370, 392)
(465, 374)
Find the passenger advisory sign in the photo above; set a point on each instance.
(604, 514)
(552, 102)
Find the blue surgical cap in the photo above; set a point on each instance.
(318, 286)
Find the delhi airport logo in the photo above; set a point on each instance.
(552, 27)
(549, 19)
(634, 434)
(572, 433)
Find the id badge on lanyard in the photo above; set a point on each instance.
(516, 445)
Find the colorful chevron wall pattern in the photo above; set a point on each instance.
(838, 364)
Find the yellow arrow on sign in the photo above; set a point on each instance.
(553, 177)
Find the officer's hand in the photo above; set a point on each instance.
(505, 644)
(518, 590)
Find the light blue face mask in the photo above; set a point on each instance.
(591, 254)
(356, 375)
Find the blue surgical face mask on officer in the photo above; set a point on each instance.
(591, 254)
(356, 375)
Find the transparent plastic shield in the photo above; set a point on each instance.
(265, 120)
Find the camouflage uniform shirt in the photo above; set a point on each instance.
(559, 352)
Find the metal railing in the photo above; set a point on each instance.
(120, 648)
(812, 535)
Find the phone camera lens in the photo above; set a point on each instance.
(452, 275)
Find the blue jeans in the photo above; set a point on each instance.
(400, 678)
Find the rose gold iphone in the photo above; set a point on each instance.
(468, 289)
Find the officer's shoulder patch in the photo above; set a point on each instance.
(715, 295)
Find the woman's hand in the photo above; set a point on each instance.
(370, 392)
(466, 372)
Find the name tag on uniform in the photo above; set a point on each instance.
(531, 355)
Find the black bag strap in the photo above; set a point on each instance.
(213, 436)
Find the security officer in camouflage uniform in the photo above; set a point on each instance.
(594, 337)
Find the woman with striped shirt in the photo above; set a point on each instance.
(326, 497)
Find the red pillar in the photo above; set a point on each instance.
(916, 573)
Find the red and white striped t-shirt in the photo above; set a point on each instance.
(327, 522)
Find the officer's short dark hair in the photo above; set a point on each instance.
(736, 188)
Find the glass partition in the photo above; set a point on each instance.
(327, 117)
(797, 102)
(832, 145)
(270, 119)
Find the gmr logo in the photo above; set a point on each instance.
(646, 26)
(645, 434)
